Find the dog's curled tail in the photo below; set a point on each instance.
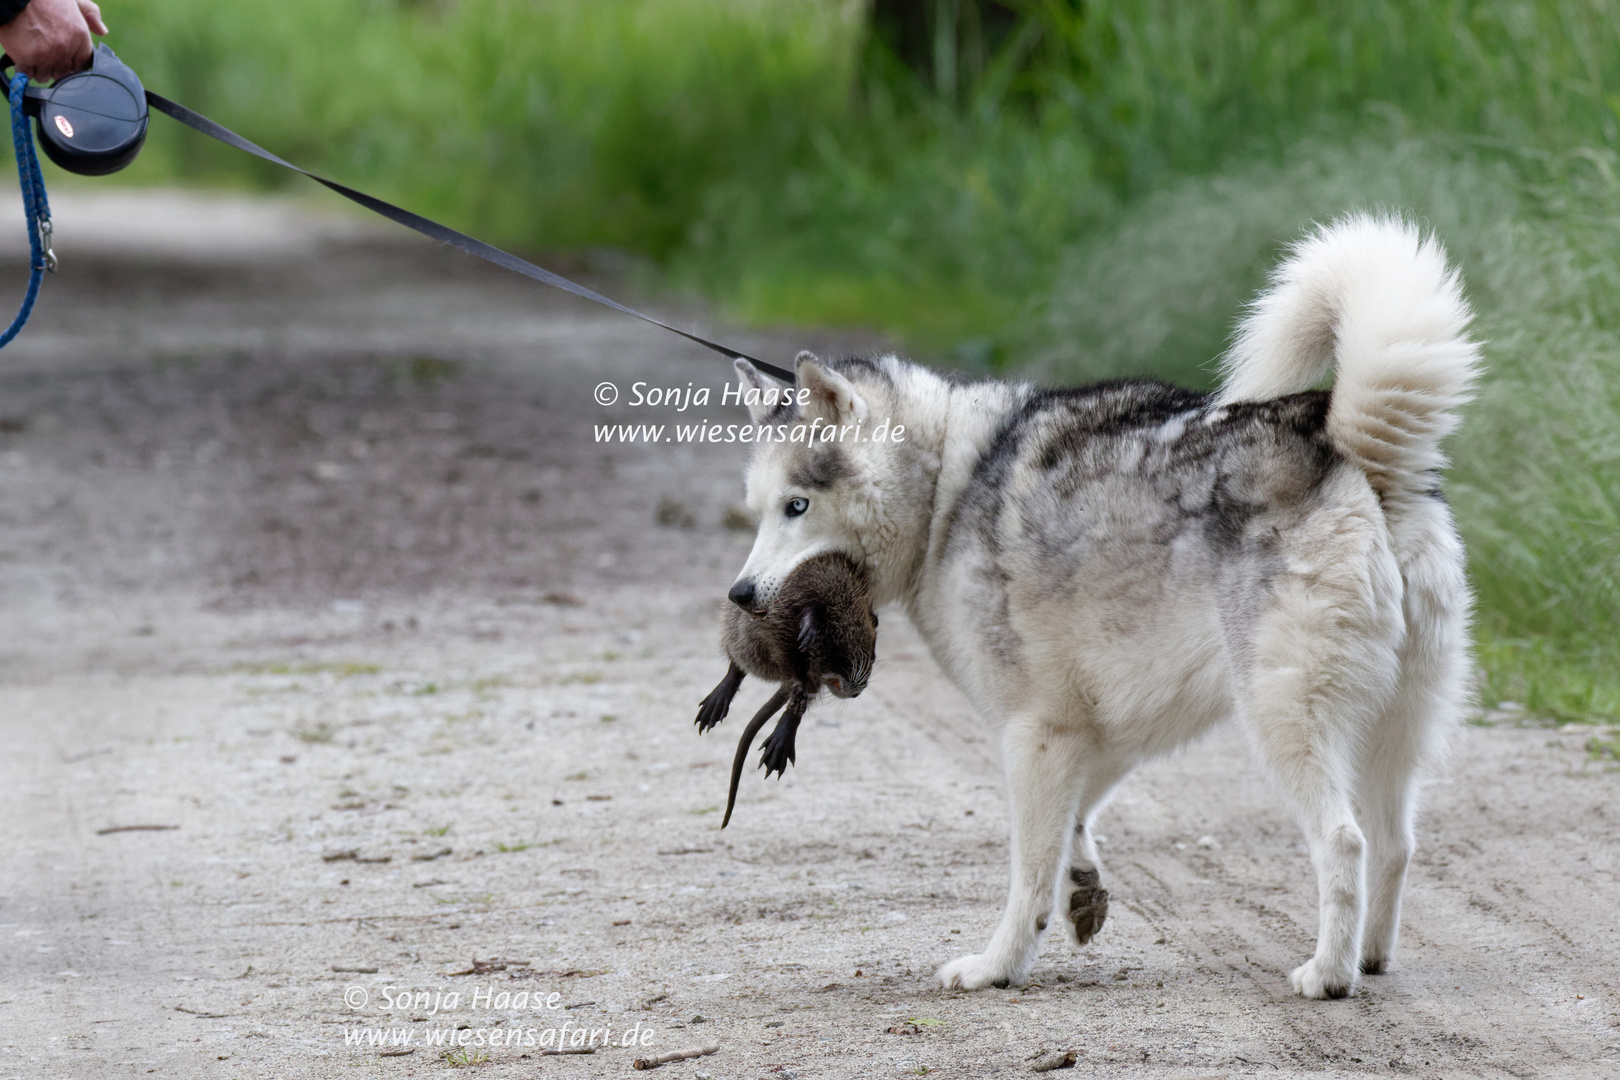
(1375, 298)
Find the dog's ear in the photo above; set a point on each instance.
(830, 392)
(761, 393)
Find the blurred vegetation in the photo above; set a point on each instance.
(1074, 187)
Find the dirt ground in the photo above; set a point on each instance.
(309, 558)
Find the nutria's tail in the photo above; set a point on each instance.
(766, 711)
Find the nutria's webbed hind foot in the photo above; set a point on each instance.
(766, 711)
(714, 708)
(777, 753)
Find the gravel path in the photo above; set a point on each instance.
(337, 642)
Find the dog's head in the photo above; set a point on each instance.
(822, 477)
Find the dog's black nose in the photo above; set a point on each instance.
(742, 594)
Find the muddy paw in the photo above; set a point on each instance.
(1088, 903)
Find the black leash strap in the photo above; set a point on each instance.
(433, 230)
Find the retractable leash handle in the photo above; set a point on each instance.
(94, 123)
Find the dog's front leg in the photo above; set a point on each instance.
(1044, 765)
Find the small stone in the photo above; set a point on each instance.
(672, 513)
(738, 518)
(1061, 1059)
(331, 471)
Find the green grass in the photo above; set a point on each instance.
(1097, 196)
(459, 1059)
(555, 124)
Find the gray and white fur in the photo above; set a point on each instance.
(1107, 572)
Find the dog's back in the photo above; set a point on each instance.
(1134, 524)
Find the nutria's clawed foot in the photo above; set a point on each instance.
(777, 753)
(714, 708)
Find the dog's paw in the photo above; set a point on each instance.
(1374, 964)
(1312, 980)
(974, 973)
(1088, 904)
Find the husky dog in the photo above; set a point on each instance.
(1109, 571)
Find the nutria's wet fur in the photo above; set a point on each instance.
(819, 631)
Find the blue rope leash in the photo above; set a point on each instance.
(35, 207)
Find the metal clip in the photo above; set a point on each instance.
(45, 244)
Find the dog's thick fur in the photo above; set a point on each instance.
(1108, 571)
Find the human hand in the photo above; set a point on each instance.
(51, 38)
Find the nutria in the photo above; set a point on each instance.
(820, 630)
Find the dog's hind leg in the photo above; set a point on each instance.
(1411, 733)
(1311, 765)
(1322, 667)
(1045, 767)
(1081, 898)
(1387, 794)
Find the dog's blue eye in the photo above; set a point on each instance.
(795, 507)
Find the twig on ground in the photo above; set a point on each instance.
(485, 967)
(676, 1055)
(134, 828)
